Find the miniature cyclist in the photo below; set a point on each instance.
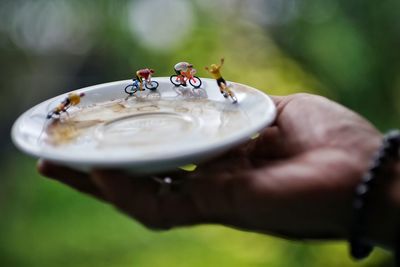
(72, 99)
(144, 73)
(182, 69)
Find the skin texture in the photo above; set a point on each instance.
(296, 180)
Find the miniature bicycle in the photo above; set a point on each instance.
(135, 86)
(182, 79)
(56, 112)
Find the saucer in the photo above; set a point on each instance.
(148, 132)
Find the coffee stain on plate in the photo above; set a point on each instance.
(148, 108)
(118, 107)
(210, 118)
(60, 132)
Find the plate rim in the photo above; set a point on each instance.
(223, 145)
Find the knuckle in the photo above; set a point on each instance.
(302, 95)
(308, 96)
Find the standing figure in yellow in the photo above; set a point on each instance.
(214, 70)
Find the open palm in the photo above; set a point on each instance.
(295, 180)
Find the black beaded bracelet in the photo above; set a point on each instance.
(360, 247)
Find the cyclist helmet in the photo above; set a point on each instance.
(75, 98)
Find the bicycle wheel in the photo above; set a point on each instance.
(50, 115)
(195, 82)
(131, 89)
(175, 80)
(54, 114)
(152, 86)
(234, 99)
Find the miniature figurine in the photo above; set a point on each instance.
(182, 67)
(225, 90)
(72, 99)
(146, 74)
(138, 81)
(185, 72)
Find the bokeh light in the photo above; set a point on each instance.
(161, 25)
(47, 26)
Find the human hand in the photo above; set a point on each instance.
(295, 180)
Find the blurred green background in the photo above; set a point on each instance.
(346, 50)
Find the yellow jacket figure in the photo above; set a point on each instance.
(214, 70)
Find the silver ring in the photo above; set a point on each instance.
(167, 185)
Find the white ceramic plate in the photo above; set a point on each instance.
(155, 131)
